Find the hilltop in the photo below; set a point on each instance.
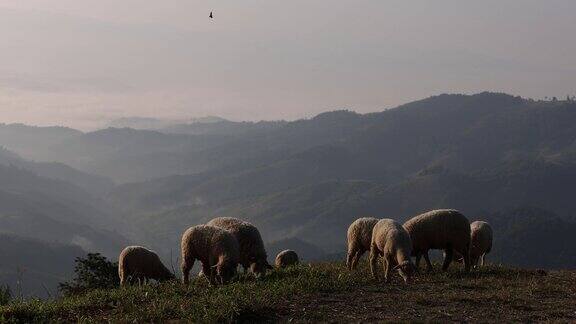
(326, 292)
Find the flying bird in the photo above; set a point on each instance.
(211, 16)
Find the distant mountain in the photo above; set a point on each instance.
(49, 215)
(484, 154)
(56, 211)
(129, 155)
(146, 123)
(142, 123)
(534, 238)
(33, 142)
(34, 268)
(125, 154)
(206, 120)
(220, 126)
(95, 185)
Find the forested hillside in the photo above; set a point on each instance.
(489, 155)
(504, 159)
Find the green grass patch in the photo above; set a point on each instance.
(244, 299)
(322, 292)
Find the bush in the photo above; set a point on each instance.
(92, 272)
(5, 295)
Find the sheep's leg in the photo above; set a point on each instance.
(466, 255)
(448, 255)
(373, 260)
(418, 258)
(428, 263)
(208, 273)
(350, 257)
(356, 257)
(387, 268)
(186, 267)
(482, 259)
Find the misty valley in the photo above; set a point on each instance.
(507, 160)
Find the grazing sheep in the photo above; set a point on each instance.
(286, 258)
(391, 241)
(139, 263)
(252, 252)
(444, 229)
(480, 242)
(359, 239)
(216, 248)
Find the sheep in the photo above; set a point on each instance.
(359, 239)
(391, 241)
(286, 258)
(139, 263)
(216, 248)
(480, 242)
(445, 229)
(252, 252)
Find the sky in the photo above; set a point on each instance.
(83, 63)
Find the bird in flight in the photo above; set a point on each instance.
(211, 16)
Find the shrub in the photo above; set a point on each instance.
(92, 272)
(5, 295)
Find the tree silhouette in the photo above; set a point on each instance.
(92, 272)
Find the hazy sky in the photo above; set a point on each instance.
(82, 62)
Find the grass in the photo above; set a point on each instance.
(323, 292)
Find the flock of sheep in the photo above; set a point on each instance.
(444, 229)
(225, 242)
(220, 246)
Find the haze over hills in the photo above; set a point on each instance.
(35, 267)
(45, 223)
(486, 154)
(96, 185)
(55, 210)
(128, 155)
(148, 123)
(33, 142)
(501, 158)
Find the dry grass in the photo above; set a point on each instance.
(326, 292)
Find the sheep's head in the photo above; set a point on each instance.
(259, 266)
(406, 270)
(168, 275)
(225, 271)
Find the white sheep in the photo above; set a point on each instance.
(252, 252)
(137, 263)
(444, 229)
(391, 241)
(286, 258)
(217, 250)
(480, 242)
(359, 238)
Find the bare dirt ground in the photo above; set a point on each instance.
(487, 296)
